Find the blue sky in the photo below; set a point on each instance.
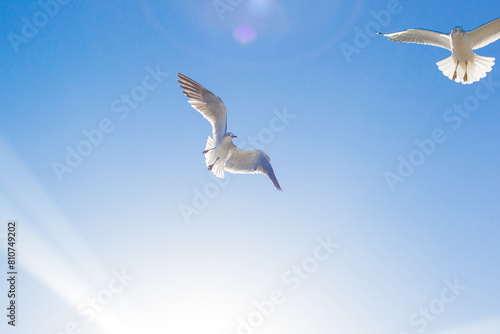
(388, 221)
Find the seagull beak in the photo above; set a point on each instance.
(235, 137)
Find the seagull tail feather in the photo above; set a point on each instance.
(211, 159)
(447, 66)
(480, 67)
(475, 70)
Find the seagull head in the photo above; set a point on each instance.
(457, 30)
(230, 135)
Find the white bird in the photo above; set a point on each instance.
(220, 152)
(463, 65)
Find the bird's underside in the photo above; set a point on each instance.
(220, 153)
(463, 65)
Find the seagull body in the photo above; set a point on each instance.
(220, 152)
(463, 65)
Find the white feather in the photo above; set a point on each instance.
(250, 162)
(421, 36)
(476, 69)
(207, 104)
(485, 34)
(447, 66)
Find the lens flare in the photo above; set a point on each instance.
(244, 34)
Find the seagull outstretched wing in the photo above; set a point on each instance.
(484, 35)
(250, 162)
(421, 36)
(209, 105)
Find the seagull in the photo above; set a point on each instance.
(220, 152)
(463, 65)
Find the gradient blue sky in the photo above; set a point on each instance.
(352, 119)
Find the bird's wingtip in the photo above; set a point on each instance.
(181, 76)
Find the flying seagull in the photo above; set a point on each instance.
(220, 152)
(463, 65)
